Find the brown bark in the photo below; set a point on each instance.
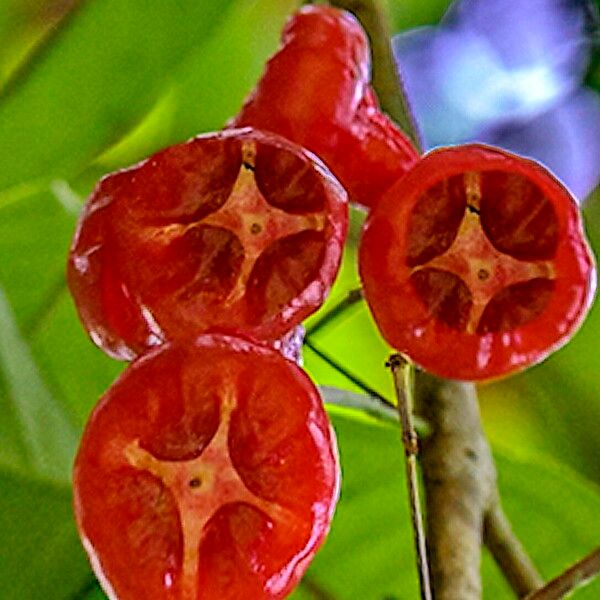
(462, 500)
(508, 552)
(459, 479)
(579, 574)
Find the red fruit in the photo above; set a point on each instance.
(372, 155)
(317, 78)
(475, 264)
(238, 231)
(315, 92)
(207, 471)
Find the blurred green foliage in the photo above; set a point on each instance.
(91, 86)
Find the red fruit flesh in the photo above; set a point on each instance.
(475, 264)
(239, 231)
(206, 472)
(315, 91)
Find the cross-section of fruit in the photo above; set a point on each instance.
(207, 472)
(475, 264)
(239, 231)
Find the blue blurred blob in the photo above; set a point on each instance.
(566, 139)
(542, 32)
(509, 73)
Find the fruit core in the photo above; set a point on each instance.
(481, 248)
(261, 222)
(200, 486)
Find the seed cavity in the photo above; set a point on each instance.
(483, 274)
(195, 482)
(255, 228)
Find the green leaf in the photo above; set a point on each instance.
(43, 404)
(41, 553)
(415, 13)
(47, 438)
(24, 25)
(32, 265)
(554, 512)
(210, 85)
(349, 342)
(35, 231)
(369, 553)
(354, 342)
(102, 71)
(78, 371)
(94, 592)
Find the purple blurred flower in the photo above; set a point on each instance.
(509, 73)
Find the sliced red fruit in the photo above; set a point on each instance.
(315, 91)
(239, 231)
(207, 472)
(475, 264)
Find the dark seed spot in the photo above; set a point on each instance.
(483, 274)
(249, 166)
(256, 228)
(195, 482)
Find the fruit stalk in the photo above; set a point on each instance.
(574, 577)
(462, 500)
(459, 476)
(508, 553)
(403, 374)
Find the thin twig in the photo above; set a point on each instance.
(346, 373)
(365, 404)
(402, 372)
(368, 405)
(577, 575)
(508, 552)
(385, 78)
(351, 298)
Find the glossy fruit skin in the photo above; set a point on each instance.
(206, 472)
(550, 240)
(239, 231)
(315, 91)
